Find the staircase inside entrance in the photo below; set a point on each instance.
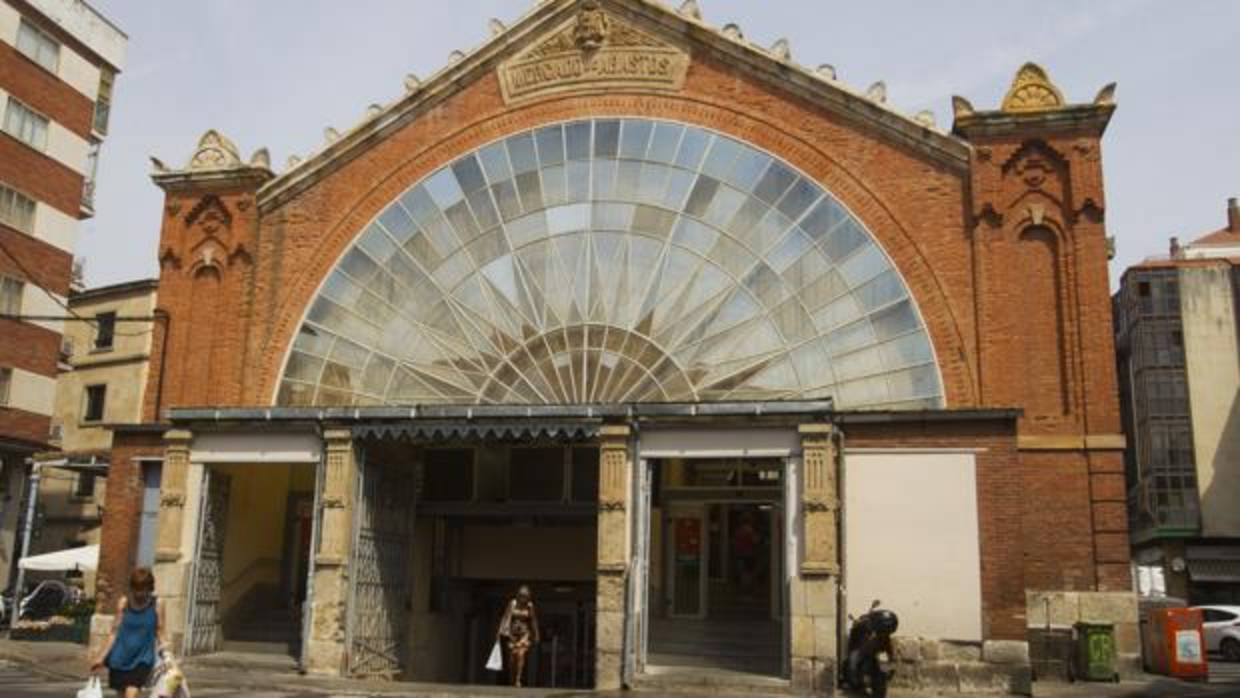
(738, 635)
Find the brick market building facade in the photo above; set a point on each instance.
(872, 301)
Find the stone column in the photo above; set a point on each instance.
(327, 653)
(172, 561)
(813, 595)
(613, 555)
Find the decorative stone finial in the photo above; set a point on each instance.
(690, 9)
(782, 50)
(732, 30)
(374, 110)
(293, 161)
(925, 117)
(331, 135)
(961, 106)
(1032, 91)
(158, 165)
(214, 152)
(455, 56)
(1106, 96)
(826, 71)
(412, 83)
(877, 92)
(495, 26)
(261, 158)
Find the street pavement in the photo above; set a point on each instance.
(19, 682)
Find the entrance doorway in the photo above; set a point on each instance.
(716, 592)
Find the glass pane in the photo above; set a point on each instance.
(591, 261)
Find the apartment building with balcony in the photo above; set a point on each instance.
(1177, 327)
(59, 60)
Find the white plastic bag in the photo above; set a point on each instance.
(92, 689)
(496, 661)
(167, 680)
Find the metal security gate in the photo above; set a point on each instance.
(202, 634)
(381, 586)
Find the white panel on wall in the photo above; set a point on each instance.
(911, 540)
(79, 73)
(55, 227)
(10, 20)
(715, 443)
(256, 448)
(31, 392)
(36, 301)
(67, 147)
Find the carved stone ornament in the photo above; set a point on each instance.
(593, 48)
(1032, 91)
(214, 152)
(592, 25)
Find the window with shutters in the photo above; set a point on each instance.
(25, 124)
(38, 46)
(16, 210)
(11, 296)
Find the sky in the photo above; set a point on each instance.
(275, 73)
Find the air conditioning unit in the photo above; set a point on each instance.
(66, 348)
(56, 432)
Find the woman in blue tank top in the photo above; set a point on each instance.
(137, 634)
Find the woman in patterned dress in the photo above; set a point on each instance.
(520, 626)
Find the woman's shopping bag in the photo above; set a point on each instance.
(167, 680)
(92, 689)
(496, 661)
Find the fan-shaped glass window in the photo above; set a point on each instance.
(613, 261)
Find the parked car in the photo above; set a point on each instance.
(1222, 630)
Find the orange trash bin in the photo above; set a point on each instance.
(1174, 644)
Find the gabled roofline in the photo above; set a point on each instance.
(944, 148)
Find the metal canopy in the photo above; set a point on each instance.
(479, 431)
(470, 413)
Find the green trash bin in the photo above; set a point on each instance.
(1095, 652)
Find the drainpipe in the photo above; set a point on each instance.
(31, 504)
(841, 600)
(162, 315)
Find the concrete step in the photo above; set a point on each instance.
(243, 661)
(263, 647)
(713, 681)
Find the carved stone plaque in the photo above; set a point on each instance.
(593, 48)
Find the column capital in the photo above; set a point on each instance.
(612, 432)
(337, 437)
(816, 429)
(178, 437)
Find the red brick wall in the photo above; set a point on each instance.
(1001, 498)
(123, 513)
(49, 265)
(27, 426)
(39, 176)
(45, 92)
